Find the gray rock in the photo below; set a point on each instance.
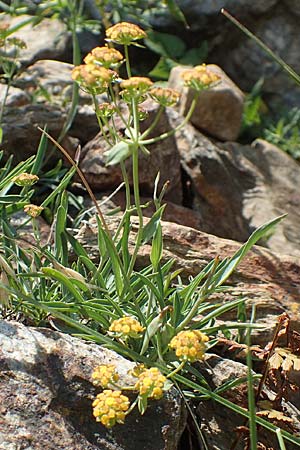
(280, 31)
(219, 110)
(218, 425)
(236, 188)
(15, 96)
(49, 81)
(46, 395)
(164, 157)
(46, 40)
(199, 13)
(21, 136)
(293, 5)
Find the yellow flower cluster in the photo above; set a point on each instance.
(126, 327)
(151, 383)
(199, 77)
(92, 77)
(164, 96)
(110, 407)
(25, 179)
(104, 375)
(104, 56)
(136, 86)
(125, 33)
(189, 345)
(106, 110)
(33, 210)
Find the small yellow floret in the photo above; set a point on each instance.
(200, 78)
(25, 179)
(104, 56)
(126, 326)
(110, 407)
(33, 210)
(104, 375)
(139, 85)
(189, 345)
(164, 96)
(125, 33)
(151, 383)
(93, 78)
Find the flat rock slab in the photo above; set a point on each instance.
(46, 397)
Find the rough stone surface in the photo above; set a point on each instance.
(50, 81)
(15, 96)
(218, 111)
(275, 22)
(46, 40)
(293, 5)
(199, 15)
(20, 133)
(280, 31)
(53, 76)
(269, 280)
(218, 425)
(236, 188)
(46, 395)
(164, 157)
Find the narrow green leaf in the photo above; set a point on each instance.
(157, 247)
(151, 330)
(67, 282)
(115, 264)
(176, 12)
(151, 227)
(40, 155)
(222, 275)
(117, 153)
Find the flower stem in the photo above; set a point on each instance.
(178, 369)
(173, 131)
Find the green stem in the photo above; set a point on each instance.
(280, 439)
(127, 62)
(203, 294)
(75, 89)
(173, 131)
(127, 187)
(105, 136)
(251, 395)
(135, 174)
(4, 100)
(178, 369)
(154, 123)
(263, 46)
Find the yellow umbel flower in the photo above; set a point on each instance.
(137, 85)
(25, 179)
(106, 110)
(104, 375)
(33, 210)
(125, 33)
(110, 407)
(126, 327)
(93, 78)
(151, 383)
(189, 345)
(200, 77)
(104, 56)
(164, 96)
